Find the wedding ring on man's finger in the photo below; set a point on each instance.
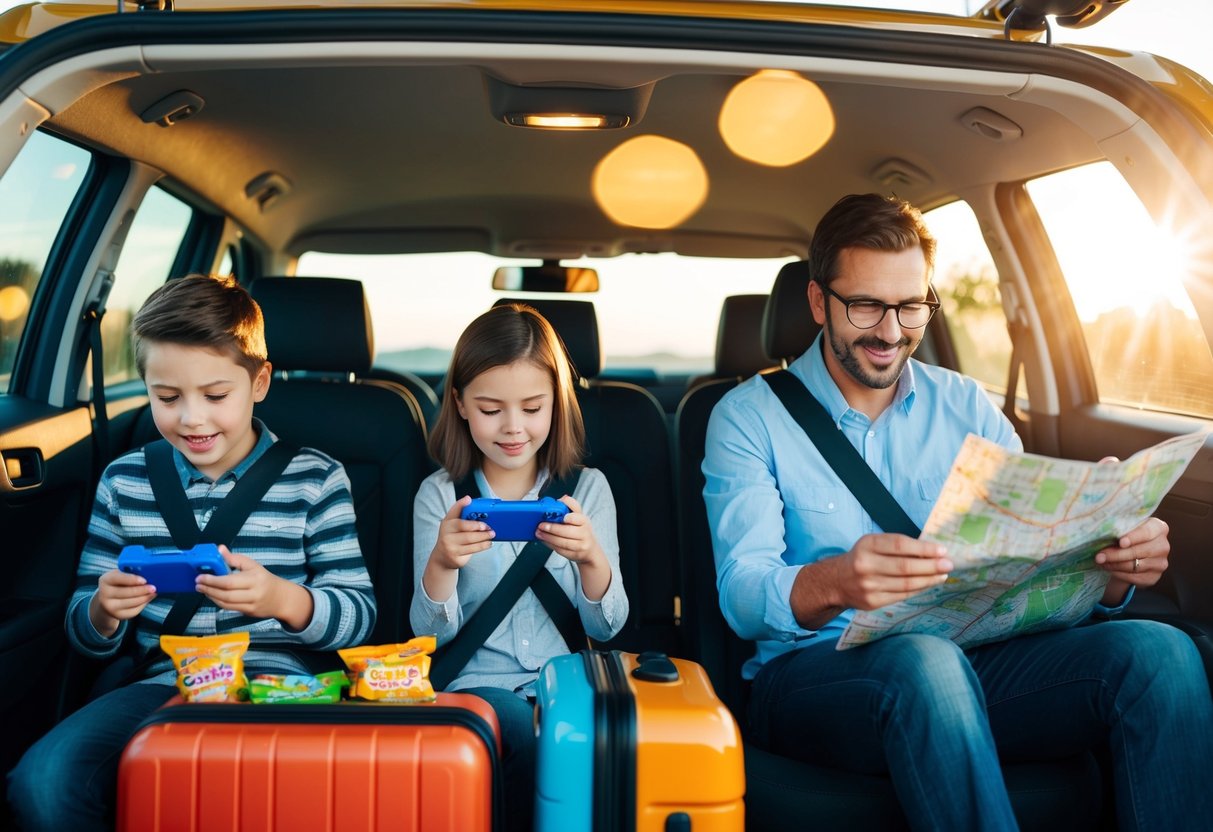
(1136, 563)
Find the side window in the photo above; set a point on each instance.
(147, 257)
(1146, 345)
(35, 194)
(967, 282)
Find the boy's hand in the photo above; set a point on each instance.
(252, 589)
(120, 596)
(459, 539)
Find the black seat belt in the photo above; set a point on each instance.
(226, 521)
(526, 571)
(841, 455)
(222, 528)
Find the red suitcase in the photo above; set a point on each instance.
(294, 768)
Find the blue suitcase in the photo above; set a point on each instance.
(635, 742)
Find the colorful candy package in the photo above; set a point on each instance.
(297, 688)
(209, 668)
(392, 672)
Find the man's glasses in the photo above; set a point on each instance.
(865, 313)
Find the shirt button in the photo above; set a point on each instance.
(525, 643)
(871, 433)
(830, 506)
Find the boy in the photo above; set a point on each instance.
(200, 348)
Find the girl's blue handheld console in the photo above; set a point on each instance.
(515, 519)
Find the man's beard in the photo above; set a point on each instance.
(847, 357)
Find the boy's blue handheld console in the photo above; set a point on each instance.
(173, 571)
(515, 519)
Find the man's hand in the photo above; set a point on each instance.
(1138, 559)
(878, 570)
(120, 596)
(883, 568)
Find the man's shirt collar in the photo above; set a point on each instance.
(811, 369)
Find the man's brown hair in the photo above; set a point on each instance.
(868, 221)
(202, 311)
(502, 336)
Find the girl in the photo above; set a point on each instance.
(509, 417)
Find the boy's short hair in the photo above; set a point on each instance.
(202, 311)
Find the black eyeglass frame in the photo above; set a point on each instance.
(846, 302)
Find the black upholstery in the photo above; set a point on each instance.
(373, 427)
(628, 440)
(787, 321)
(782, 793)
(739, 347)
(344, 350)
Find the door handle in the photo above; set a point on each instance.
(23, 468)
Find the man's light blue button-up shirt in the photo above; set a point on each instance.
(774, 504)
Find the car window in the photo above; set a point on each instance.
(35, 194)
(1147, 347)
(146, 260)
(655, 311)
(967, 282)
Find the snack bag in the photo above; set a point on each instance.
(300, 689)
(209, 668)
(392, 672)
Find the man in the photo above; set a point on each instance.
(796, 554)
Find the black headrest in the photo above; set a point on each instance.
(316, 323)
(739, 349)
(788, 327)
(576, 322)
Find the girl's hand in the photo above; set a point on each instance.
(120, 596)
(459, 539)
(574, 538)
(253, 590)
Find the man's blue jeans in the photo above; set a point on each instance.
(68, 779)
(937, 719)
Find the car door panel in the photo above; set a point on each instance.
(42, 518)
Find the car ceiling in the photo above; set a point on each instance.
(397, 154)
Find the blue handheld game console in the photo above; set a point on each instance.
(173, 571)
(515, 519)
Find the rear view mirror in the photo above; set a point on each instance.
(550, 277)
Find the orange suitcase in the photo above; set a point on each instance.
(635, 743)
(354, 765)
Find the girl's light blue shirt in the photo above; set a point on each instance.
(517, 649)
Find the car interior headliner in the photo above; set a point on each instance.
(392, 147)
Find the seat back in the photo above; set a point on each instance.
(788, 330)
(425, 395)
(627, 439)
(321, 398)
(739, 347)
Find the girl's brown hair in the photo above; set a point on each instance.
(202, 311)
(502, 336)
